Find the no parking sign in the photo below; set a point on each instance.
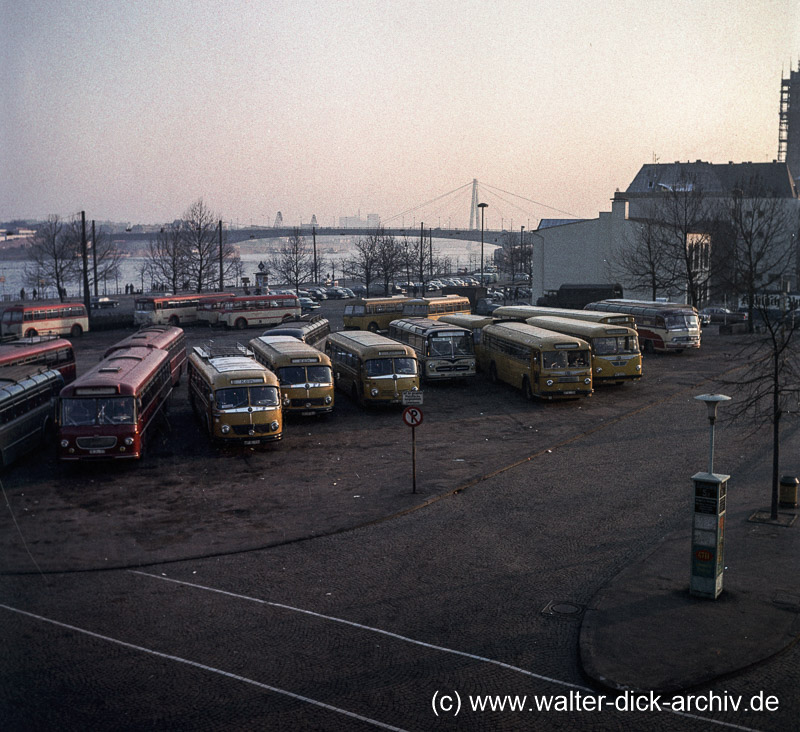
(412, 416)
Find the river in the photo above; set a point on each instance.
(458, 253)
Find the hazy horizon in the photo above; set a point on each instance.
(131, 111)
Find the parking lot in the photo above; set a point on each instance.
(304, 585)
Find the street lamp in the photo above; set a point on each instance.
(482, 206)
(710, 497)
(521, 240)
(538, 236)
(712, 401)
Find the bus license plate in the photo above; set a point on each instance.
(251, 442)
(620, 373)
(308, 413)
(97, 452)
(569, 392)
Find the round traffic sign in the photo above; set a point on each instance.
(412, 416)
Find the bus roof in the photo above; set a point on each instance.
(122, 373)
(580, 328)
(530, 335)
(14, 380)
(289, 347)
(425, 325)
(467, 320)
(151, 336)
(370, 344)
(237, 370)
(650, 307)
(14, 351)
(523, 312)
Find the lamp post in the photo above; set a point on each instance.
(482, 206)
(708, 521)
(538, 236)
(712, 401)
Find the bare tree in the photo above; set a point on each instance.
(389, 260)
(103, 257)
(363, 264)
(54, 256)
(770, 384)
(198, 231)
(685, 216)
(167, 257)
(641, 263)
(294, 261)
(762, 252)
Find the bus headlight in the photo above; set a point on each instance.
(414, 388)
(225, 429)
(599, 370)
(639, 367)
(549, 382)
(286, 401)
(64, 443)
(373, 391)
(328, 400)
(274, 426)
(587, 380)
(128, 441)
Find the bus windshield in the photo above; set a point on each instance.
(389, 366)
(304, 375)
(238, 397)
(108, 410)
(680, 321)
(610, 345)
(565, 359)
(450, 345)
(145, 305)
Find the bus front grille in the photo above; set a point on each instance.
(244, 429)
(96, 443)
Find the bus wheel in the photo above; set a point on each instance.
(526, 389)
(373, 327)
(241, 324)
(174, 320)
(76, 331)
(493, 373)
(31, 333)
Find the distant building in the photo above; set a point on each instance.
(789, 125)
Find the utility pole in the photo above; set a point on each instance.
(94, 259)
(314, 240)
(221, 279)
(85, 254)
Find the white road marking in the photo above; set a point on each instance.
(204, 667)
(431, 646)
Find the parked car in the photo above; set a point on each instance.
(101, 303)
(486, 306)
(307, 305)
(721, 315)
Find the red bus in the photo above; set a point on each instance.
(60, 318)
(166, 337)
(106, 412)
(50, 353)
(251, 310)
(172, 309)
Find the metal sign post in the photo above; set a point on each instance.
(412, 416)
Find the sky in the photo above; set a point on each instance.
(131, 110)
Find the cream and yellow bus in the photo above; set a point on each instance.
(616, 357)
(444, 351)
(236, 398)
(473, 323)
(435, 307)
(304, 373)
(662, 326)
(373, 313)
(521, 313)
(371, 368)
(539, 362)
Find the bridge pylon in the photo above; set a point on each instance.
(473, 211)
